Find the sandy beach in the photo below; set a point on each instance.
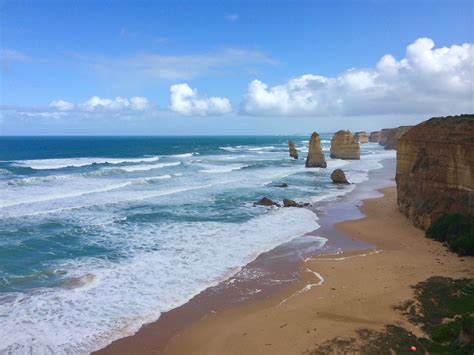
(331, 295)
(337, 294)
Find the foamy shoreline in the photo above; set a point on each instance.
(282, 262)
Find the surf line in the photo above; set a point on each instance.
(344, 257)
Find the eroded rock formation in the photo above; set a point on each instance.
(315, 157)
(389, 137)
(361, 137)
(343, 146)
(292, 149)
(338, 177)
(374, 137)
(435, 169)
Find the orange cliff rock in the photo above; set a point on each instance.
(343, 146)
(435, 169)
(315, 157)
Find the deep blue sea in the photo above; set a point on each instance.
(99, 235)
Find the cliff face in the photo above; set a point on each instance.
(315, 157)
(435, 169)
(374, 137)
(389, 136)
(343, 146)
(292, 149)
(361, 137)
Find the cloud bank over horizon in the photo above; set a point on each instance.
(427, 80)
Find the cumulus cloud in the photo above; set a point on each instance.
(96, 103)
(61, 105)
(427, 80)
(186, 101)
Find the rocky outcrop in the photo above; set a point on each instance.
(361, 137)
(266, 202)
(435, 169)
(389, 137)
(315, 157)
(338, 177)
(292, 203)
(374, 137)
(343, 146)
(283, 185)
(292, 149)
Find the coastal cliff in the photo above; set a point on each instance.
(435, 169)
(389, 137)
(361, 137)
(374, 137)
(315, 157)
(343, 146)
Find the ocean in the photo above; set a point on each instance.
(99, 235)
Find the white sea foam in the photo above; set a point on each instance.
(50, 164)
(82, 319)
(145, 167)
(215, 169)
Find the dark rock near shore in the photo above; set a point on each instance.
(292, 203)
(266, 202)
(338, 177)
(284, 185)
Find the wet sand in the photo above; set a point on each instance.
(289, 299)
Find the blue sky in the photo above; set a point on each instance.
(214, 50)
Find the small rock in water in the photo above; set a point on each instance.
(266, 202)
(282, 185)
(338, 177)
(291, 203)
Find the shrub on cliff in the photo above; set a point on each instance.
(456, 230)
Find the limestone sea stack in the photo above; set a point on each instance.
(343, 146)
(435, 169)
(292, 149)
(361, 137)
(338, 177)
(315, 157)
(390, 136)
(374, 137)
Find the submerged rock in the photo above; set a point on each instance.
(343, 146)
(338, 177)
(361, 137)
(293, 203)
(284, 185)
(315, 157)
(435, 169)
(292, 149)
(266, 202)
(374, 137)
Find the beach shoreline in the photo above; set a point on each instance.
(255, 281)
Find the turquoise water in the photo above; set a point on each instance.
(99, 235)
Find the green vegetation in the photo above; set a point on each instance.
(442, 307)
(456, 230)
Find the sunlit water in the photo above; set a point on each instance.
(100, 235)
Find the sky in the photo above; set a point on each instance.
(231, 67)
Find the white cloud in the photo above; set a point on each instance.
(186, 101)
(232, 17)
(150, 67)
(119, 103)
(9, 54)
(427, 80)
(62, 105)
